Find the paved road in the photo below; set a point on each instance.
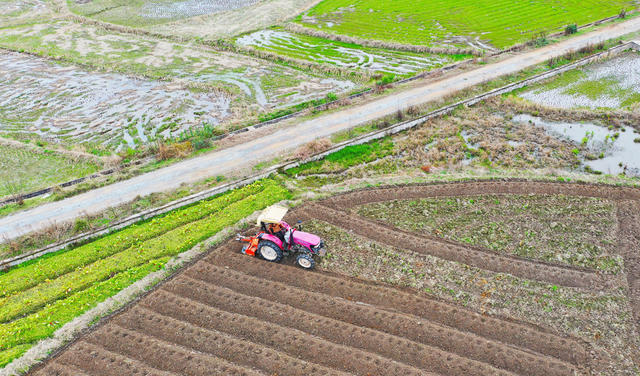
(266, 148)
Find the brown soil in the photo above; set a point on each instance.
(233, 314)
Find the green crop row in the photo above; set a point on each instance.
(347, 157)
(16, 337)
(60, 263)
(36, 313)
(168, 244)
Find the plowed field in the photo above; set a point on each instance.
(235, 315)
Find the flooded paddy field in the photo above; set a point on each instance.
(70, 105)
(192, 18)
(152, 12)
(606, 150)
(256, 85)
(610, 84)
(344, 55)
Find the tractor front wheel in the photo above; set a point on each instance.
(270, 251)
(306, 261)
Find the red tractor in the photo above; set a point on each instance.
(277, 239)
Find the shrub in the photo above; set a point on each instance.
(176, 150)
(571, 29)
(80, 225)
(637, 140)
(386, 80)
(312, 148)
(200, 143)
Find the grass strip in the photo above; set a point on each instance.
(345, 158)
(59, 263)
(42, 324)
(167, 244)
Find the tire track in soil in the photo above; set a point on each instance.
(483, 259)
(94, 359)
(352, 323)
(629, 246)
(163, 355)
(284, 340)
(521, 335)
(233, 349)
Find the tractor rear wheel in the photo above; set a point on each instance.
(306, 261)
(270, 251)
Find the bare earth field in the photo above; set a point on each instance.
(386, 301)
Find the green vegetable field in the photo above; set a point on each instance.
(38, 297)
(453, 23)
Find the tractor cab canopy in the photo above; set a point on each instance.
(272, 214)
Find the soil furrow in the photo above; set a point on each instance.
(287, 340)
(56, 369)
(213, 342)
(339, 331)
(163, 355)
(629, 246)
(366, 196)
(99, 361)
(484, 259)
(518, 334)
(447, 351)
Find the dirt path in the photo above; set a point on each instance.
(267, 147)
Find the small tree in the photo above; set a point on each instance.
(571, 29)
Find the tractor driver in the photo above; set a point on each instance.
(279, 230)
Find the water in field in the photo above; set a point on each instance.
(190, 8)
(16, 7)
(66, 103)
(324, 51)
(612, 84)
(615, 150)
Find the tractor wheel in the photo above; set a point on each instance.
(306, 261)
(269, 251)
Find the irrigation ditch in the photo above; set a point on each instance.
(188, 200)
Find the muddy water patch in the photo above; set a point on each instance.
(65, 103)
(610, 84)
(611, 151)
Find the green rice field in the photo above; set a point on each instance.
(456, 23)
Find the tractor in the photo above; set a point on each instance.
(276, 239)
